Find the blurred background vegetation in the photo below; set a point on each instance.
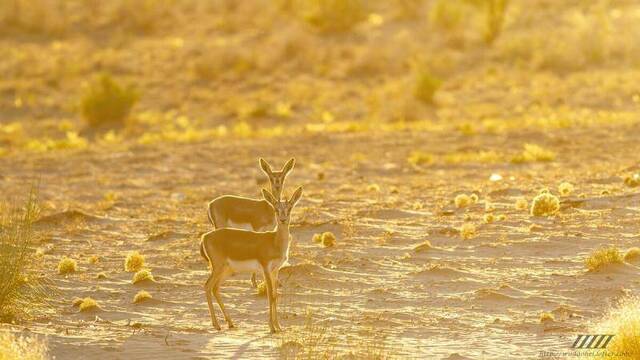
(84, 72)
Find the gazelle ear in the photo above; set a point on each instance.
(269, 197)
(295, 197)
(288, 166)
(264, 165)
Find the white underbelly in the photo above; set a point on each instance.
(244, 265)
(234, 225)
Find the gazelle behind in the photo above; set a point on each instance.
(237, 250)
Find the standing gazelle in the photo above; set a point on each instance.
(229, 211)
(231, 250)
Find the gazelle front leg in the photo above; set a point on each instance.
(208, 286)
(271, 298)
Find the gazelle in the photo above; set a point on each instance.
(231, 250)
(229, 211)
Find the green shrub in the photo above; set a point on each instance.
(107, 103)
(21, 289)
(334, 16)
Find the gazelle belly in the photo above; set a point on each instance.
(244, 265)
(234, 225)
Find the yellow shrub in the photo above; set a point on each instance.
(141, 296)
(632, 254)
(600, 258)
(489, 218)
(142, 275)
(67, 266)
(547, 317)
(545, 204)
(420, 158)
(106, 102)
(328, 239)
(532, 153)
(467, 231)
(624, 322)
(462, 200)
(521, 204)
(565, 189)
(88, 304)
(133, 262)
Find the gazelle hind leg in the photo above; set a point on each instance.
(267, 279)
(216, 293)
(207, 290)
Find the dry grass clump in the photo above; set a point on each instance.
(632, 255)
(602, 257)
(467, 231)
(624, 322)
(547, 317)
(107, 103)
(333, 16)
(425, 85)
(565, 188)
(93, 259)
(420, 158)
(489, 218)
(88, 304)
(521, 204)
(133, 262)
(141, 296)
(633, 180)
(545, 204)
(21, 289)
(328, 239)
(142, 275)
(67, 266)
(495, 11)
(533, 153)
(373, 188)
(14, 347)
(261, 289)
(462, 200)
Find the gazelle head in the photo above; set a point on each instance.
(283, 207)
(276, 178)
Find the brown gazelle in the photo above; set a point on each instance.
(231, 250)
(229, 211)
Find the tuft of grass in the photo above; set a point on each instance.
(521, 204)
(462, 200)
(547, 317)
(142, 275)
(467, 231)
(133, 262)
(534, 153)
(106, 102)
(420, 158)
(565, 188)
(373, 188)
(602, 257)
(141, 296)
(632, 255)
(632, 180)
(474, 198)
(101, 276)
(334, 16)
(88, 304)
(317, 238)
(623, 321)
(489, 218)
(425, 85)
(93, 259)
(67, 266)
(21, 347)
(328, 239)
(21, 290)
(545, 204)
(77, 301)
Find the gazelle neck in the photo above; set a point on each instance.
(282, 236)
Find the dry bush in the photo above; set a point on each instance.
(333, 16)
(624, 322)
(21, 288)
(495, 11)
(34, 16)
(545, 204)
(462, 200)
(467, 231)
(532, 153)
(448, 15)
(521, 204)
(565, 189)
(14, 347)
(547, 317)
(133, 262)
(141, 296)
(420, 158)
(142, 275)
(632, 255)
(88, 304)
(425, 85)
(67, 266)
(107, 103)
(143, 16)
(600, 258)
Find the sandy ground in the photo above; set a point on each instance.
(478, 299)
